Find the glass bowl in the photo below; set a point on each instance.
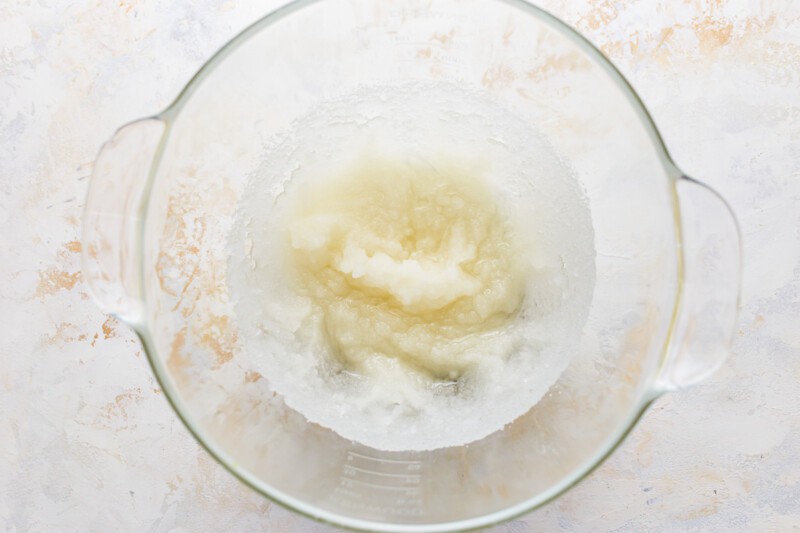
(163, 202)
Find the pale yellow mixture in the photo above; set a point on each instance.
(410, 265)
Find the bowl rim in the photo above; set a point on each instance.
(651, 390)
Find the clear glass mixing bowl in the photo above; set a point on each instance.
(164, 193)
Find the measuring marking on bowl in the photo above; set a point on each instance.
(397, 484)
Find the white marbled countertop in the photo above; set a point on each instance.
(88, 443)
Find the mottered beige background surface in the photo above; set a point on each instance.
(87, 441)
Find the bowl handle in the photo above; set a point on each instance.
(710, 262)
(112, 216)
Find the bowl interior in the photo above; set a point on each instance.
(220, 131)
